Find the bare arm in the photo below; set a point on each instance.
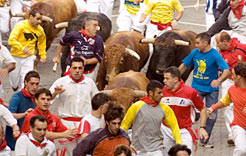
(203, 115)
(4, 71)
(142, 18)
(56, 59)
(221, 79)
(90, 61)
(177, 18)
(70, 133)
(182, 68)
(22, 115)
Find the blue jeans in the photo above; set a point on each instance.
(211, 98)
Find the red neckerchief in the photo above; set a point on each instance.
(181, 83)
(26, 94)
(147, 100)
(37, 144)
(82, 31)
(47, 115)
(3, 145)
(238, 10)
(1, 101)
(77, 81)
(232, 45)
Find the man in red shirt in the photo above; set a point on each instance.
(236, 94)
(232, 52)
(55, 127)
(183, 99)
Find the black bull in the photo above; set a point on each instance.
(77, 24)
(167, 53)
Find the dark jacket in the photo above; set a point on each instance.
(101, 143)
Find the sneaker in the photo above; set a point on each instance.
(230, 141)
(206, 145)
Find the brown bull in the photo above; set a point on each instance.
(122, 53)
(126, 88)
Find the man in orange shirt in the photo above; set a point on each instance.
(236, 94)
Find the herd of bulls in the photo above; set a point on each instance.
(124, 51)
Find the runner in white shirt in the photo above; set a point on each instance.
(95, 119)
(35, 143)
(72, 96)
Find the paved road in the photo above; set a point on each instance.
(192, 20)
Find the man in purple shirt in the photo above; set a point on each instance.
(86, 44)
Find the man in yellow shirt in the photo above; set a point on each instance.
(26, 36)
(161, 19)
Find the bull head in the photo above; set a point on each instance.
(125, 96)
(115, 59)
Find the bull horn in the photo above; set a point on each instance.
(46, 18)
(133, 53)
(181, 43)
(61, 25)
(140, 93)
(22, 14)
(107, 92)
(147, 40)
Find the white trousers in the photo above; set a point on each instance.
(169, 141)
(70, 146)
(102, 6)
(209, 20)
(4, 21)
(228, 113)
(239, 136)
(127, 21)
(22, 67)
(151, 32)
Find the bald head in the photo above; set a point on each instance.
(223, 41)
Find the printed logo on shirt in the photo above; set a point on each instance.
(182, 102)
(30, 36)
(201, 69)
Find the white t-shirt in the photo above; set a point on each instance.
(90, 123)
(25, 147)
(75, 101)
(6, 117)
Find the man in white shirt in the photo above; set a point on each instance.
(35, 142)
(72, 96)
(95, 119)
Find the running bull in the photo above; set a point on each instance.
(122, 53)
(169, 50)
(126, 88)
